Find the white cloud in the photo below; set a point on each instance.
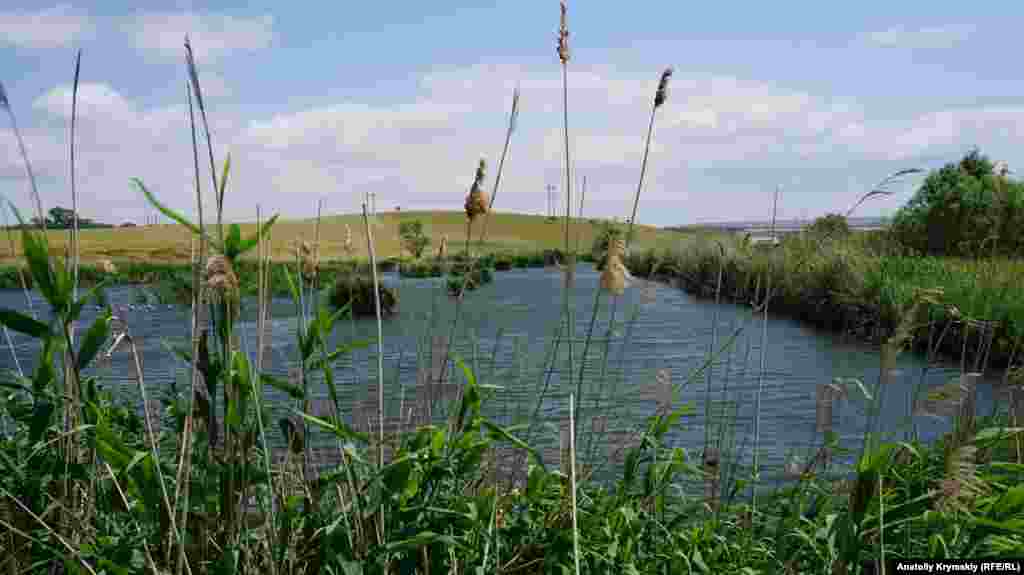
(213, 36)
(716, 143)
(932, 37)
(49, 28)
(95, 101)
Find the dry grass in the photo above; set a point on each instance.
(506, 232)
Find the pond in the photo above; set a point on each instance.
(505, 333)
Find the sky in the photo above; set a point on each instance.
(328, 101)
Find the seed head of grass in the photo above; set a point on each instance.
(563, 37)
(108, 267)
(221, 280)
(614, 275)
(348, 247)
(309, 256)
(662, 94)
(442, 250)
(477, 201)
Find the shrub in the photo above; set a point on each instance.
(413, 238)
(503, 263)
(358, 289)
(964, 209)
(830, 225)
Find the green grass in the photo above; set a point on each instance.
(854, 285)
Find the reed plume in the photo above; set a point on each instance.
(221, 280)
(442, 250)
(347, 246)
(477, 201)
(614, 276)
(563, 37)
(660, 97)
(309, 258)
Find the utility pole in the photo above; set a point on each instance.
(550, 188)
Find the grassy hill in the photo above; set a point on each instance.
(506, 232)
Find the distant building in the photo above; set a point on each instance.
(128, 225)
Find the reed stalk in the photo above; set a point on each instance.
(154, 451)
(258, 392)
(475, 208)
(193, 75)
(380, 355)
(570, 264)
(764, 363)
(572, 467)
(198, 263)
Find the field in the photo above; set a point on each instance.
(506, 233)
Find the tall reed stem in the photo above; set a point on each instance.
(572, 469)
(764, 360)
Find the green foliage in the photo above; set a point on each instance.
(857, 285)
(964, 209)
(470, 275)
(356, 291)
(413, 238)
(830, 226)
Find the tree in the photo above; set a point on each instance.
(964, 209)
(61, 217)
(830, 225)
(413, 238)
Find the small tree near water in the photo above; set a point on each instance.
(413, 238)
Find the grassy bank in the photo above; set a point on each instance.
(859, 285)
(171, 282)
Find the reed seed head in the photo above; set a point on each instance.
(309, 255)
(563, 37)
(442, 250)
(108, 267)
(477, 201)
(347, 246)
(221, 280)
(613, 278)
(662, 94)
(614, 275)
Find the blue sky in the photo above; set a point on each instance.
(331, 100)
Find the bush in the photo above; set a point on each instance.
(430, 269)
(413, 238)
(478, 275)
(503, 263)
(830, 225)
(964, 209)
(358, 289)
